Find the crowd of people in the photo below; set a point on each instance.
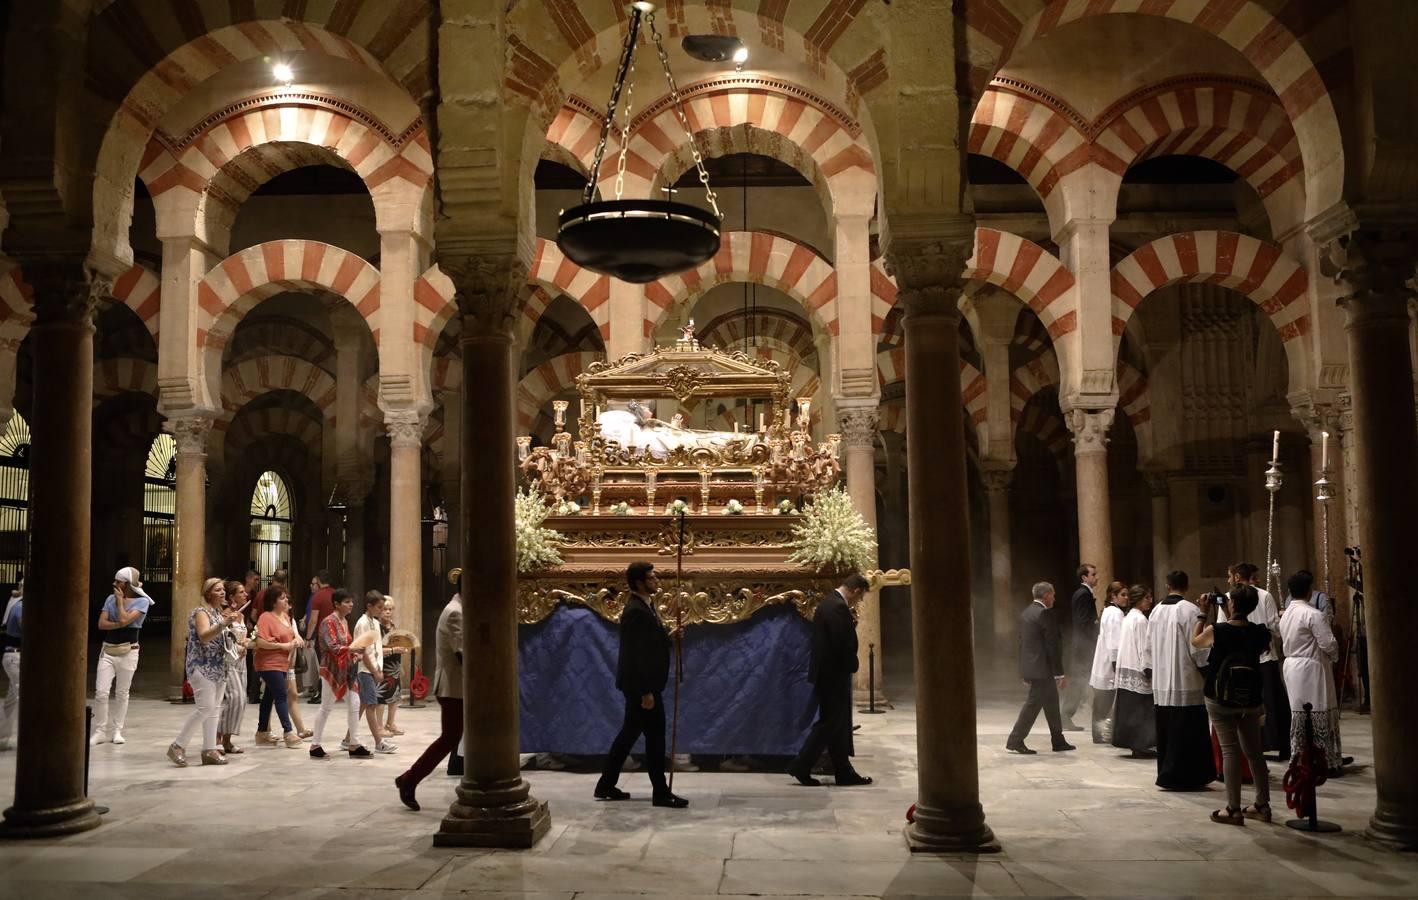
(1193, 681)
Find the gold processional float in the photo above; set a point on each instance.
(744, 490)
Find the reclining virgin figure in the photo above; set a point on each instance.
(636, 427)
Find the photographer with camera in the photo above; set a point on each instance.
(1233, 697)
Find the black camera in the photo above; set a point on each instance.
(1216, 597)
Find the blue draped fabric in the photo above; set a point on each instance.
(745, 687)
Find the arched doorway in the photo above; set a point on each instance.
(159, 513)
(272, 524)
(14, 499)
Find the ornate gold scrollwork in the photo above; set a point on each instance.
(721, 604)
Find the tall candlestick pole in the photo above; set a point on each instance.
(1275, 446)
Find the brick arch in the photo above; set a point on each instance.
(1029, 272)
(544, 382)
(1233, 122)
(891, 369)
(237, 284)
(1260, 270)
(1259, 36)
(1135, 402)
(576, 130)
(759, 256)
(140, 289)
(249, 426)
(144, 68)
(249, 379)
(124, 374)
(1033, 138)
(773, 327)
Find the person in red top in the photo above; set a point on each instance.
(279, 579)
(322, 604)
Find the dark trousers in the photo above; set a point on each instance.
(832, 731)
(1043, 694)
(451, 732)
(275, 695)
(1078, 671)
(638, 721)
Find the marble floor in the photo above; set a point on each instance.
(1088, 823)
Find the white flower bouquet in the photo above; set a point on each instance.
(833, 536)
(784, 507)
(733, 508)
(621, 509)
(536, 545)
(676, 508)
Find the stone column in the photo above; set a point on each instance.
(356, 494)
(1090, 455)
(190, 557)
(1376, 268)
(49, 766)
(495, 807)
(949, 817)
(405, 519)
(858, 424)
(1006, 606)
(1158, 486)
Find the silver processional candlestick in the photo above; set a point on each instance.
(1273, 481)
(1323, 494)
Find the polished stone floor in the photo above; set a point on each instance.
(1088, 823)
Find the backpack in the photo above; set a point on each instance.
(1238, 682)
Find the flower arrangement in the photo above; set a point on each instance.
(676, 508)
(733, 508)
(569, 508)
(621, 509)
(833, 536)
(536, 545)
(784, 507)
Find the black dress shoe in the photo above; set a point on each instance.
(1064, 748)
(670, 800)
(804, 778)
(612, 793)
(361, 752)
(406, 794)
(853, 780)
(1020, 749)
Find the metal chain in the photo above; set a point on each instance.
(627, 60)
(678, 105)
(625, 132)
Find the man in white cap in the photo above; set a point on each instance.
(120, 624)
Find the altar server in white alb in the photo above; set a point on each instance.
(1310, 652)
(1103, 676)
(1184, 759)
(1134, 717)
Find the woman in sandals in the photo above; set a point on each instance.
(276, 643)
(206, 672)
(1233, 699)
(389, 688)
(237, 643)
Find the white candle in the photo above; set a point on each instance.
(598, 418)
(736, 427)
(1324, 451)
(1275, 447)
(760, 423)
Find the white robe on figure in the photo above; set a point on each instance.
(1310, 651)
(1104, 675)
(1267, 613)
(1134, 654)
(1176, 665)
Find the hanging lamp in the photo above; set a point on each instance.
(639, 240)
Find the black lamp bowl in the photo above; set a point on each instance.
(711, 47)
(638, 240)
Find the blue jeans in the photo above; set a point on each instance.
(275, 693)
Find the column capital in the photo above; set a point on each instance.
(405, 427)
(996, 477)
(1372, 263)
(858, 425)
(489, 290)
(1090, 429)
(65, 291)
(929, 273)
(190, 432)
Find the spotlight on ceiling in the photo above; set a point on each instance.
(740, 57)
(714, 47)
(283, 73)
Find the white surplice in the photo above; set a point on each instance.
(1104, 675)
(1266, 613)
(1310, 649)
(1176, 665)
(1134, 654)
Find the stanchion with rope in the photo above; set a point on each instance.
(1306, 773)
(870, 709)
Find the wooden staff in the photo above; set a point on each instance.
(679, 647)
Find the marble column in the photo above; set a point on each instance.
(405, 519)
(1005, 606)
(49, 766)
(1377, 266)
(356, 495)
(948, 816)
(494, 806)
(1090, 455)
(190, 434)
(858, 424)
(1159, 487)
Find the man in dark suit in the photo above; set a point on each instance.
(641, 674)
(1041, 667)
(834, 659)
(1083, 636)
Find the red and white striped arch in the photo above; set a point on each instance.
(241, 281)
(757, 256)
(577, 132)
(1135, 401)
(541, 385)
(1258, 269)
(1046, 426)
(1031, 273)
(1032, 138)
(556, 274)
(122, 375)
(249, 379)
(770, 327)
(246, 428)
(140, 290)
(1029, 379)
(891, 368)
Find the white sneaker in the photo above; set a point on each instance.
(385, 747)
(345, 744)
(118, 737)
(100, 737)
